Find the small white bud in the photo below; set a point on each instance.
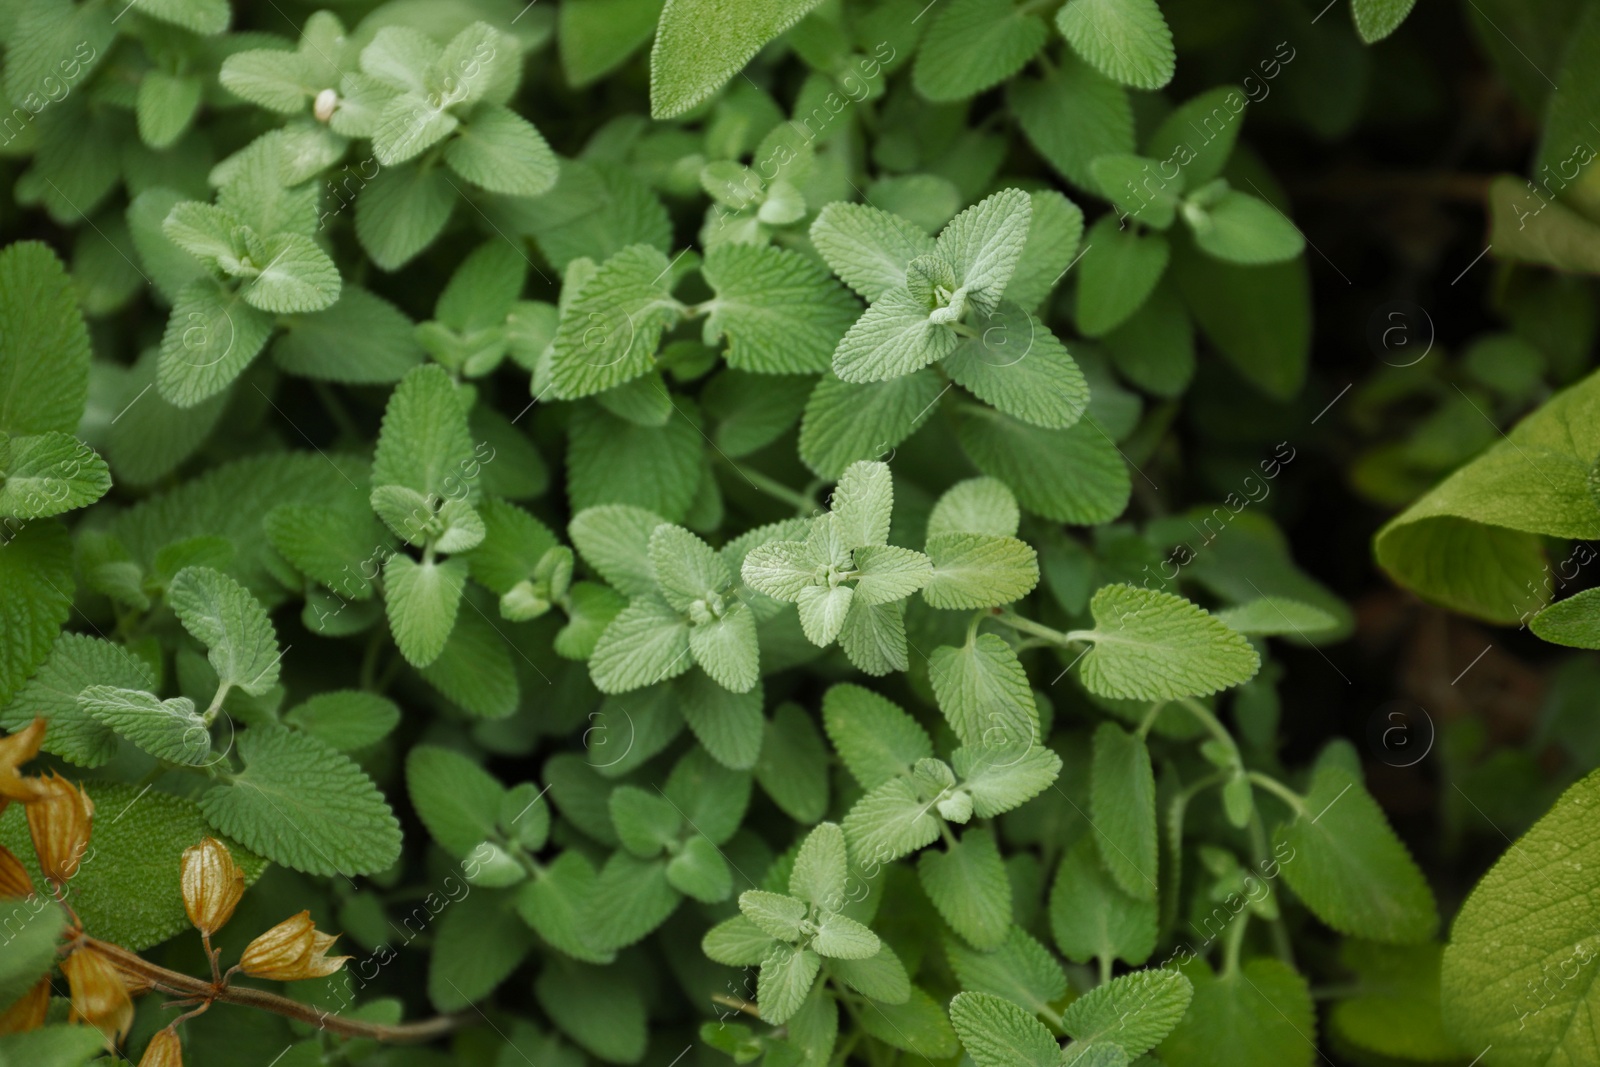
(327, 100)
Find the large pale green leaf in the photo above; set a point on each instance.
(700, 44)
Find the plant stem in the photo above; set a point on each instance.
(1230, 947)
(748, 1007)
(184, 985)
(1028, 626)
(1283, 792)
(803, 505)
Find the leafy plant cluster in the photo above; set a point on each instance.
(639, 517)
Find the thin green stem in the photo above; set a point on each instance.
(1214, 726)
(1028, 626)
(1105, 968)
(216, 703)
(802, 504)
(1283, 792)
(1234, 939)
(1258, 849)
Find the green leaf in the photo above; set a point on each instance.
(700, 44)
(166, 105)
(1054, 235)
(1259, 318)
(700, 871)
(458, 801)
(424, 444)
(499, 150)
(129, 893)
(1199, 135)
(211, 336)
(876, 739)
(422, 600)
(889, 822)
(271, 78)
(975, 45)
(47, 474)
(1278, 616)
(299, 803)
(1377, 19)
(646, 822)
(222, 615)
(605, 1017)
(169, 730)
(60, 1045)
(1017, 365)
(1138, 189)
(1530, 915)
(981, 506)
(776, 914)
(75, 662)
(297, 277)
(881, 977)
(918, 1026)
(1156, 646)
(894, 337)
(686, 568)
(997, 1033)
(984, 692)
(984, 244)
(866, 247)
(556, 903)
(1001, 777)
(1350, 869)
(1243, 229)
(1021, 970)
(204, 17)
(1072, 117)
(32, 954)
(480, 940)
(1074, 475)
(1397, 1010)
(820, 870)
(1091, 917)
(401, 211)
(785, 980)
(36, 574)
(793, 765)
(44, 345)
(615, 540)
(967, 883)
(361, 339)
(610, 330)
(1259, 1014)
(842, 938)
(1573, 622)
(726, 648)
(1126, 40)
(1136, 1011)
(822, 611)
(778, 310)
(647, 643)
(979, 570)
(889, 573)
(345, 719)
(861, 504)
(845, 421)
(737, 942)
(596, 38)
(1122, 796)
(1119, 271)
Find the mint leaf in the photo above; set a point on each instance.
(779, 311)
(211, 336)
(1074, 475)
(979, 571)
(981, 506)
(299, 803)
(1350, 868)
(997, 1033)
(47, 474)
(984, 692)
(846, 421)
(610, 329)
(974, 45)
(1243, 229)
(894, 337)
(875, 738)
(76, 661)
(424, 444)
(1126, 41)
(422, 600)
(1092, 918)
(1017, 365)
(1154, 645)
(1122, 797)
(967, 883)
(984, 243)
(1136, 1011)
(501, 151)
(223, 616)
(647, 643)
(169, 730)
(700, 44)
(866, 247)
(1377, 19)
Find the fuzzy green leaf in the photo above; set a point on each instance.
(1153, 645)
(223, 616)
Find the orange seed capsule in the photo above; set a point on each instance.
(99, 997)
(14, 880)
(15, 750)
(60, 821)
(212, 885)
(291, 951)
(164, 1050)
(29, 1011)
